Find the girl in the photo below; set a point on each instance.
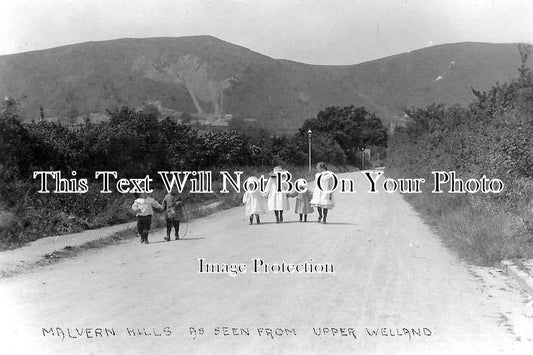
(303, 203)
(255, 205)
(277, 201)
(322, 199)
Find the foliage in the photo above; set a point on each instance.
(136, 144)
(349, 127)
(492, 136)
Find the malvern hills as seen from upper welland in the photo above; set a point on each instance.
(212, 79)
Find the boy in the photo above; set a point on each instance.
(144, 209)
(173, 213)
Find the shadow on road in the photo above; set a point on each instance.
(173, 240)
(310, 222)
(340, 223)
(284, 222)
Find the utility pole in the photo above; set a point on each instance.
(309, 136)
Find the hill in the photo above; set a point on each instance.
(207, 77)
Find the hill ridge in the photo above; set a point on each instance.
(206, 76)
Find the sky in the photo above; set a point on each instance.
(333, 32)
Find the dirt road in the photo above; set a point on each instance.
(395, 290)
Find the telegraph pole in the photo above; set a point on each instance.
(309, 136)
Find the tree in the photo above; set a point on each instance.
(15, 155)
(151, 109)
(349, 127)
(525, 50)
(9, 108)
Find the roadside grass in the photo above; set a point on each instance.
(480, 230)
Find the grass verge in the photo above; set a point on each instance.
(482, 230)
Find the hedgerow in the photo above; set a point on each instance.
(136, 144)
(492, 136)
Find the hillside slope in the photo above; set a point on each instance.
(206, 76)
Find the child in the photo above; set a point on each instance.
(144, 209)
(255, 205)
(173, 207)
(277, 201)
(303, 203)
(324, 201)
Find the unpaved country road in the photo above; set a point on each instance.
(391, 272)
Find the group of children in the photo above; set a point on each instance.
(276, 201)
(279, 201)
(144, 206)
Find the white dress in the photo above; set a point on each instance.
(277, 201)
(255, 203)
(321, 198)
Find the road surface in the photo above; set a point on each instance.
(395, 290)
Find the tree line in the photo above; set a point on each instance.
(136, 143)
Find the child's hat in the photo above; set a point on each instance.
(276, 170)
(251, 180)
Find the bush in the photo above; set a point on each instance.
(492, 137)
